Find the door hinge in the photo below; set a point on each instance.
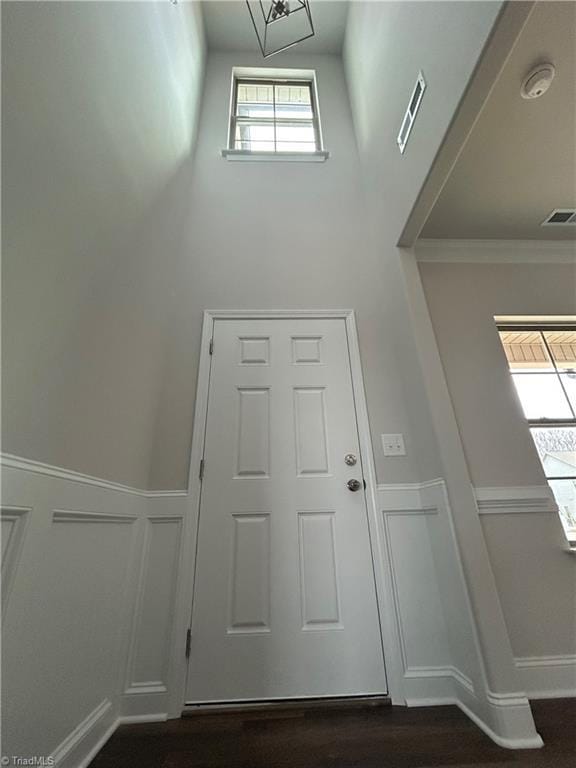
(188, 642)
(201, 470)
(211, 347)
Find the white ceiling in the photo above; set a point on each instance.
(229, 28)
(519, 162)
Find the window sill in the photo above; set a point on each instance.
(246, 156)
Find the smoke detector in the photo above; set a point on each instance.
(537, 81)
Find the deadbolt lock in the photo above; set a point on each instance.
(350, 459)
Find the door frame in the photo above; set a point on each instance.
(378, 550)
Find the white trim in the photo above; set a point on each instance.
(399, 496)
(146, 688)
(40, 468)
(546, 661)
(406, 498)
(160, 717)
(507, 699)
(178, 667)
(73, 516)
(250, 156)
(136, 687)
(416, 511)
(63, 751)
(81, 731)
(384, 593)
(174, 494)
(20, 517)
(548, 677)
(497, 251)
(448, 671)
(533, 742)
(515, 500)
(382, 565)
(277, 314)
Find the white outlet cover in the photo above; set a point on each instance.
(393, 445)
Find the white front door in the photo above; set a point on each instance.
(284, 597)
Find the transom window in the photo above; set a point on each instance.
(274, 116)
(542, 361)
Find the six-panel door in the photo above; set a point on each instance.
(284, 599)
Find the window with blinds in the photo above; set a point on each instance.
(542, 362)
(277, 116)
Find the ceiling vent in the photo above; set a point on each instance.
(410, 116)
(559, 217)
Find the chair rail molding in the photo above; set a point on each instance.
(9, 460)
(505, 500)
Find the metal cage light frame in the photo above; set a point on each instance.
(278, 11)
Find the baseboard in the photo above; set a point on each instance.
(82, 745)
(547, 677)
(160, 717)
(87, 739)
(531, 742)
(435, 686)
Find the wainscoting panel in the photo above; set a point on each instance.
(535, 574)
(14, 520)
(154, 612)
(78, 556)
(421, 623)
(431, 603)
(91, 571)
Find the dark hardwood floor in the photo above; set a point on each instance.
(338, 737)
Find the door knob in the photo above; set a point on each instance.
(354, 485)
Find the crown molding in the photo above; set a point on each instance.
(497, 251)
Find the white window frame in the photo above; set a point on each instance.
(274, 77)
(542, 327)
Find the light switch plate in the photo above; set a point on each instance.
(393, 445)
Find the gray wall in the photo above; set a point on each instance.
(99, 117)
(320, 252)
(117, 235)
(536, 577)
(463, 300)
(336, 246)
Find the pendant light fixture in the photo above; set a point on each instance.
(280, 24)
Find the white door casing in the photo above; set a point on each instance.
(284, 599)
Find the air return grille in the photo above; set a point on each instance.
(560, 216)
(410, 116)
